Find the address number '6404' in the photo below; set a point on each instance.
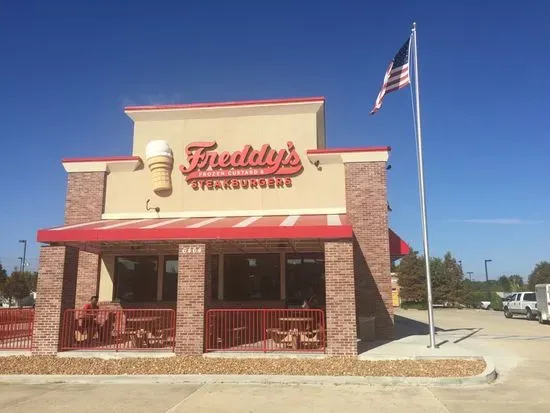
(191, 250)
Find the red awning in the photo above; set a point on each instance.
(398, 247)
(234, 228)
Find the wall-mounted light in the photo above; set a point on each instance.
(148, 208)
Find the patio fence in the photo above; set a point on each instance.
(265, 330)
(119, 330)
(16, 327)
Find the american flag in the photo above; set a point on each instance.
(396, 77)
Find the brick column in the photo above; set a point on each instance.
(85, 198)
(56, 291)
(87, 280)
(85, 201)
(191, 299)
(367, 209)
(340, 299)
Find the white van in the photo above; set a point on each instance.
(543, 302)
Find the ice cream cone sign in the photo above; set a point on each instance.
(160, 161)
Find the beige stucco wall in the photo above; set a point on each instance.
(313, 190)
(106, 274)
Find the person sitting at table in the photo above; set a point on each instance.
(92, 305)
(311, 301)
(88, 319)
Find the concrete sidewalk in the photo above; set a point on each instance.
(414, 347)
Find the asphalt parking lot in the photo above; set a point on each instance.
(519, 347)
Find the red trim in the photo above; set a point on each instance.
(226, 104)
(158, 234)
(348, 150)
(102, 159)
(398, 247)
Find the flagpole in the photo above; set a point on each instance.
(422, 193)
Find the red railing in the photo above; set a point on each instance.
(119, 330)
(16, 326)
(265, 330)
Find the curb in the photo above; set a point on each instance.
(488, 376)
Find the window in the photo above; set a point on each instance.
(136, 278)
(251, 277)
(170, 279)
(305, 276)
(214, 276)
(529, 297)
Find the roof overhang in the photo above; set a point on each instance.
(214, 228)
(226, 109)
(398, 247)
(158, 233)
(105, 164)
(349, 155)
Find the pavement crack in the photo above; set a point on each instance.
(438, 400)
(174, 408)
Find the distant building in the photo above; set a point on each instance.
(395, 290)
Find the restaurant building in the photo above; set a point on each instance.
(231, 206)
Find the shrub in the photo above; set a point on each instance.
(496, 302)
(414, 305)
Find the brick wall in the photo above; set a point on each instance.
(367, 209)
(85, 197)
(87, 282)
(340, 299)
(208, 281)
(56, 291)
(191, 299)
(85, 202)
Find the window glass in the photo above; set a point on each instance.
(214, 276)
(251, 277)
(170, 279)
(530, 297)
(305, 278)
(136, 278)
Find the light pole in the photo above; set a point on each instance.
(487, 279)
(470, 274)
(486, 273)
(460, 265)
(24, 241)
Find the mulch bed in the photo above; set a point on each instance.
(332, 366)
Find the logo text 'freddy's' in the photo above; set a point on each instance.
(212, 169)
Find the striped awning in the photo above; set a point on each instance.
(234, 228)
(398, 247)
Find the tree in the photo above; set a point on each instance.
(453, 279)
(516, 282)
(437, 274)
(3, 277)
(31, 279)
(540, 274)
(504, 284)
(16, 287)
(3, 280)
(411, 279)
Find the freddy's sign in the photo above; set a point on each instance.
(247, 168)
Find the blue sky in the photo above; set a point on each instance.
(68, 70)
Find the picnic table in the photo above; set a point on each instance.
(296, 332)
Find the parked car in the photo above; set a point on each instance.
(542, 292)
(524, 303)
